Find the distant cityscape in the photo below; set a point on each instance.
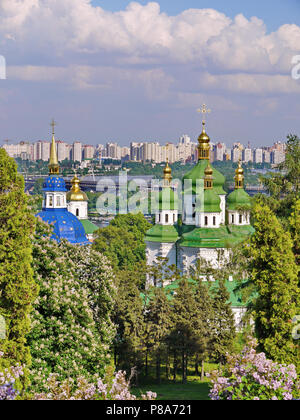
(145, 152)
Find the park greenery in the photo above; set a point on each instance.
(75, 316)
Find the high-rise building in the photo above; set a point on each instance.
(63, 150)
(219, 151)
(88, 152)
(258, 156)
(77, 151)
(247, 155)
(23, 150)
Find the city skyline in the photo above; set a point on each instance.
(139, 70)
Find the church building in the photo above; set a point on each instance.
(212, 222)
(55, 208)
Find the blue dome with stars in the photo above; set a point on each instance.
(65, 225)
(54, 183)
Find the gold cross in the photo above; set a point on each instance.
(53, 124)
(204, 110)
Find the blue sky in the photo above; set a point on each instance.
(138, 71)
(274, 12)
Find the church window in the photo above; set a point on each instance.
(206, 220)
(58, 201)
(241, 219)
(232, 218)
(214, 220)
(51, 201)
(167, 218)
(77, 212)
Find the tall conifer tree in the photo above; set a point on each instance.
(274, 271)
(17, 287)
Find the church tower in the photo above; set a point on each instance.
(162, 237)
(239, 202)
(54, 212)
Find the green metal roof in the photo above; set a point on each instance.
(163, 234)
(167, 199)
(89, 227)
(211, 203)
(238, 198)
(222, 237)
(197, 173)
(235, 289)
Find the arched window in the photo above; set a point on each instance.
(77, 212)
(167, 218)
(50, 200)
(241, 219)
(206, 220)
(214, 220)
(174, 218)
(58, 201)
(232, 218)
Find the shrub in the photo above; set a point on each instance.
(116, 388)
(251, 376)
(8, 379)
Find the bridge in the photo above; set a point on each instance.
(92, 184)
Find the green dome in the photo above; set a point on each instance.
(211, 202)
(167, 199)
(238, 198)
(162, 234)
(198, 172)
(222, 237)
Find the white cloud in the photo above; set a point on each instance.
(73, 42)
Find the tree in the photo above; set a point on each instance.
(130, 339)
(203, 325)
(72, 331)
(284, 186)
(183, 336)
(223, 324)
(158, 325)
(18, 289)
(295, 230)
(274, 272)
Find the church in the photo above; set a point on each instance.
(66, 212)
(212, 221)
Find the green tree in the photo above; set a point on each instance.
(123, 241)
(130, 319)
(203, 325)
(183, 335)
(158, 325)
(274, 272)
(17, 286)
(295, 230)
(223, 324)
(72, 332)
(284, 186)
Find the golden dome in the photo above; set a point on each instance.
(204, 145)
(239, 176)
(167, 174)
(75, 194)
(204, 137)
(208, 171)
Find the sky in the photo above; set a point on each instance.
(123, 71)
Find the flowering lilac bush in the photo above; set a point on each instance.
(251, 376)
(115, 389)
(7, 381)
